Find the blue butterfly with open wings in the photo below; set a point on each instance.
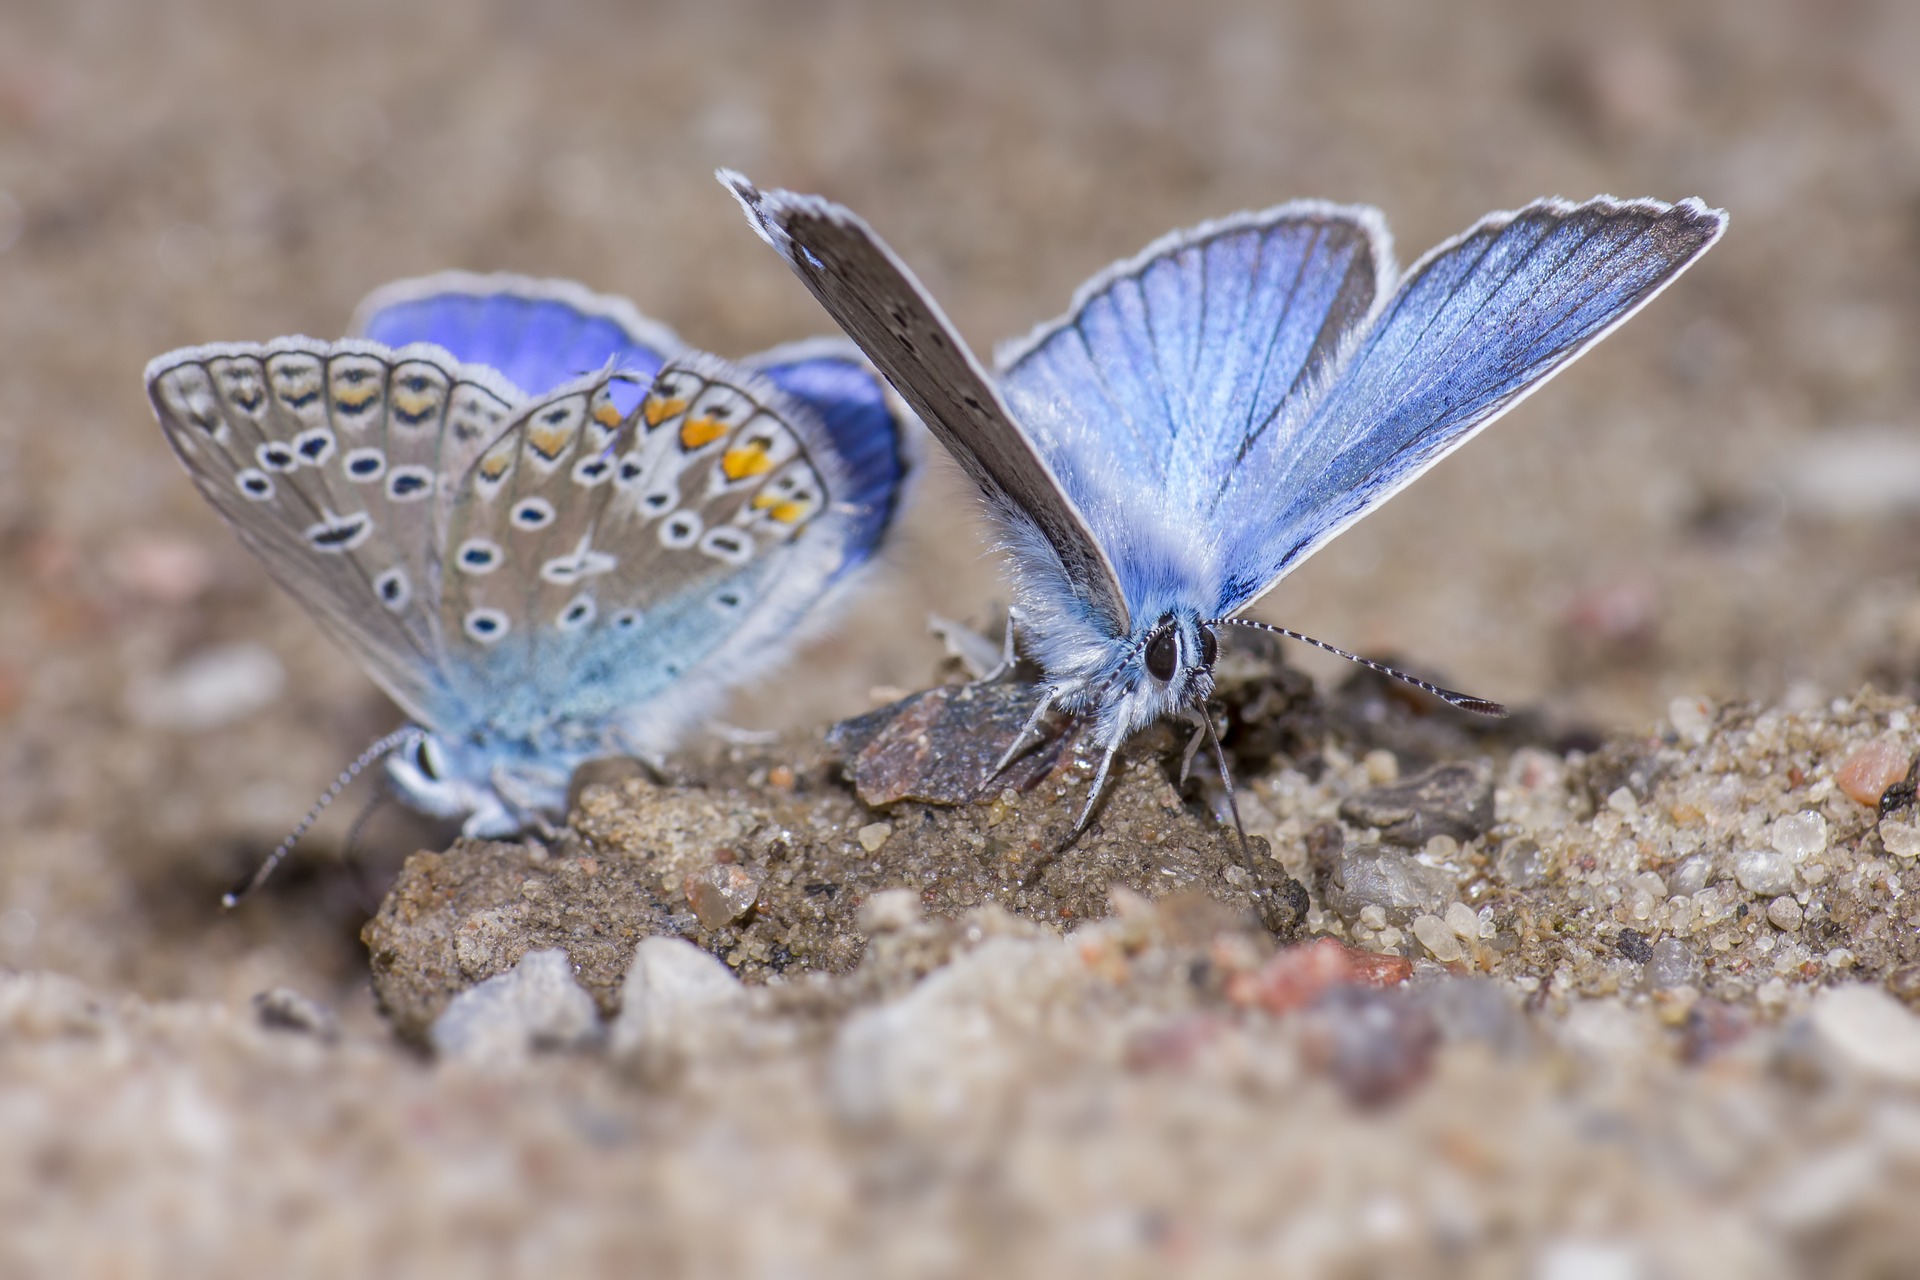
(1210, 413)
(546, 527)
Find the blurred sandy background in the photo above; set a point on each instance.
(1720, 499)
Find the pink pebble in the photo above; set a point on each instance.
(1868, 772)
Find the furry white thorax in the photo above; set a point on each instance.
(1089, 667)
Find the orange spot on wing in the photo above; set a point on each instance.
(698, 433)
(549, 442)
(606, 414)
(658, 409)
(749, 460)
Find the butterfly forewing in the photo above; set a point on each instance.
(1170, 364)
(876, 300)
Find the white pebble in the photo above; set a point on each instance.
(1692, 718)
(1623, 802)
(1382, 767)
(873, 835)
(1869, 1029)
(1692, 876)
(672, 988)
(1373, 916)
(1785, 914)
(1801, 835)
(1901, 839)
(1438, 938)
(1765, 872)
(890, 911)
(1461, 919)
(534, 1005)
(212, 688)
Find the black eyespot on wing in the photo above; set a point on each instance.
(1163, 654)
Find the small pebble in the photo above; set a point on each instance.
(1785, 914)
(534, 1005)
(1633, 944)
(890, 911)
(285, 1009)
(873, 835)
(213, 687)
(1441, 942)
(1901, 839)
(721, 894)
(1374, 1044)
(1870, 1030)
(1462, 920)
(1521, 863)
(1866, 774)
(1671, 964)
(671, 989)
(1623, 802)
(1382, 767)
(1764, 872)
(1801, 835)
(1400, 886)
(1692, 718)
(1453, 799)
(1691, 876)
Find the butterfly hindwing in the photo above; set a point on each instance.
(594, 560)
(1474, 327)
(325, 458)
(872, 295)
(538, 334)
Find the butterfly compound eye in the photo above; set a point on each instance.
(426, 758)
(1209, 647)
(1163, 654)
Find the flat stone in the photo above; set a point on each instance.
(1397, 884)
(940, 746)
(1446, 799)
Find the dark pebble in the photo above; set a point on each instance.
(1447, 799)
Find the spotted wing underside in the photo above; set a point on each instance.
(326, 458)
(594, 560)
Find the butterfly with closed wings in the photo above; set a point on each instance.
(1211, 412)
(549, 530)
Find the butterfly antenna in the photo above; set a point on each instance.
(1466, 702)
(392, 742)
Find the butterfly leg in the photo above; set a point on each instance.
(1008, 657)
(1199, 722)
(1093, 794)
(1226, 780)
(1020, 739)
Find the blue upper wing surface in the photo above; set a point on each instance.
(538, 334)
(833, 380)
(1473, 328)
(1146, 393)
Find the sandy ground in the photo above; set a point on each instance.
(1720, 501)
